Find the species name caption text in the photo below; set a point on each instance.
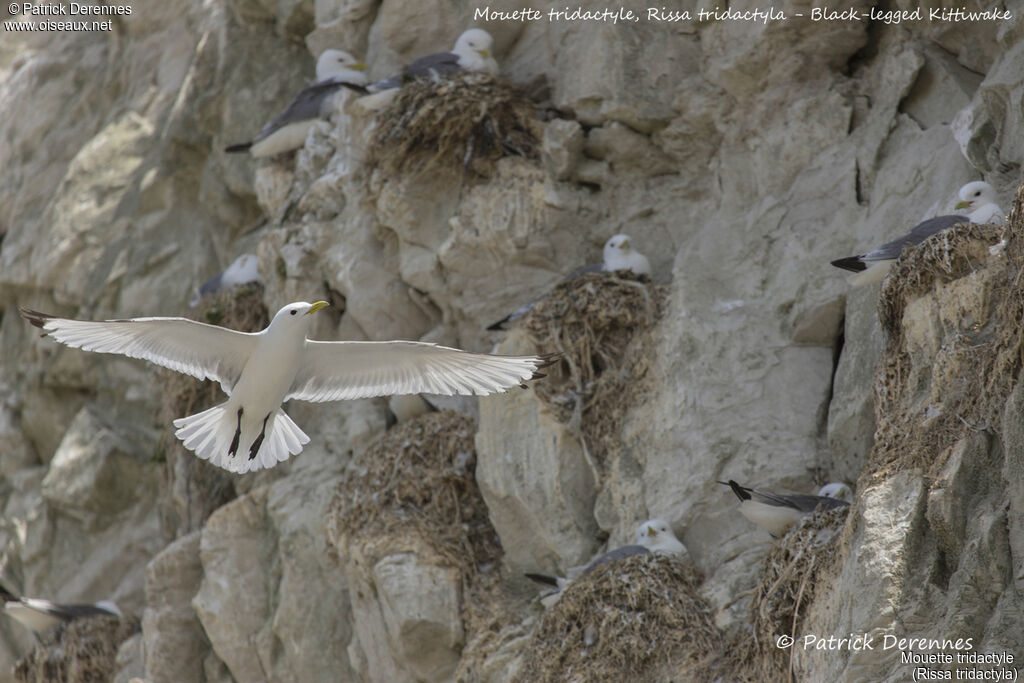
(763, 16)
(51, 16)
(932, 659)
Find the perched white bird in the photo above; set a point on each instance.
(259, 371)
(243, 270)
(41, 615)
(472, 52)
(619, 254)
(775, 513)
(405, 407)
(334, 69)
(979, 197)
(653, 536)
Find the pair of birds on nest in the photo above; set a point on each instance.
(337, 70)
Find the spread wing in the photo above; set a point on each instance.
(186, 346)
(333, 371)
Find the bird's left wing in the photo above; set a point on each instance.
(193, 348)
(308, 104)
(333, 371)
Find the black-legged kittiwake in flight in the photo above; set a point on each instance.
(472, 52)
(41, 615)
(261, 370)
(979, 197)
(653, 536)
(243, 270)
(775, 513)
(619, 254)
(334, 69)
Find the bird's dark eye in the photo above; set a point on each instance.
(294, 311)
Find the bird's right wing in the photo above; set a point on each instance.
(186, 346)
(334, 371)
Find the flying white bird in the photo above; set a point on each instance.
(334, 69)
(261, 370)
(775, 513)
(243, 270)
(619, 254)
(979, 197)
(41, 615)
(653, 536)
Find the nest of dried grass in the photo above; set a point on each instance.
(197, 487)
(640, 618)
(465, 122)
(417, 481)
(85, 651)
(980, 355)
(598, 322)
(787, 584)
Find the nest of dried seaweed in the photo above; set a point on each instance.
(417, 482)
(466, 122)
(976, 314)
(85, 651)
(640, 618)
(787, 584)
(196, 487)
(598, 323)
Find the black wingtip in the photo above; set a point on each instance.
(361, 89)
(500, 325)
(740, 492)
(241, 147)
(35, 317)
(542, 579)
(851, 263)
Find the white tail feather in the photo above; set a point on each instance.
(209, 434)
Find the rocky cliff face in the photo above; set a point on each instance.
(740, 157)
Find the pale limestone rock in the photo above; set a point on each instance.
(537, 482)
(173, 641)
(562, 147)
(128, 664)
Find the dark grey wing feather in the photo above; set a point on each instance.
(308, 104)
(920, 233)
(433, 66)
(592, 268)
(615, 555)
(69, 612)
(798, 502)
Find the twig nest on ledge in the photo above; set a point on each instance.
(640, 618)
(465, 122)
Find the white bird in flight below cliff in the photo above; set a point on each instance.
(259, 371)
(618, 254)
(979, 197)
(775, 513)
(335, 69)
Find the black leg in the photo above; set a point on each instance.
(259, 439)
(238, 434)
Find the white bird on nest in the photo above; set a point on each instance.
(261, 370)
(41, 615)
(653, 536)
(618, 254)
(979, 197)
(775, 513)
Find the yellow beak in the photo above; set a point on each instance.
(651, 531)
(316, 307)
(625, 245)
(359, 66)
(485, 53)
(962, 205)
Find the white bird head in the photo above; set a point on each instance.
(619, 254)
(980, 198)
(296, 315)
(342, 65)
(656, 535)
(837, 489)
(474, 50)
